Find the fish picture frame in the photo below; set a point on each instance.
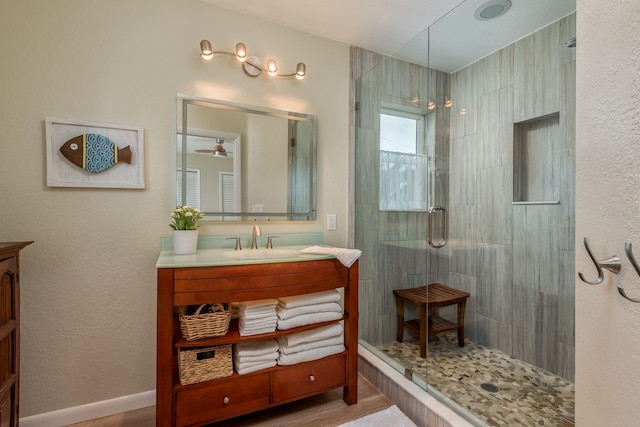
(92, 154)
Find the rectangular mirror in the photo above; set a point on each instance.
(238, 162)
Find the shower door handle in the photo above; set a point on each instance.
(431, 213)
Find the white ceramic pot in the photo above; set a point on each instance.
(185, 241)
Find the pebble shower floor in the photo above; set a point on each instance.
(496, 388)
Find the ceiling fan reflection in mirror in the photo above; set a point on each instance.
(218, 150)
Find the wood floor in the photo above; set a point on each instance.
(325, 410)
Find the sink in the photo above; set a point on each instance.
(256, 254)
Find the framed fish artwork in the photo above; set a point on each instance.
(90, 154)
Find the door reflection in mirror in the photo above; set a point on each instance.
(269, 168)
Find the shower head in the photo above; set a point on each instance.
(570, 42)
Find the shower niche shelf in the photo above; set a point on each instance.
(536, 154)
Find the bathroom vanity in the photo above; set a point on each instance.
(209, 277)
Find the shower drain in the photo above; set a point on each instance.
(489, 387)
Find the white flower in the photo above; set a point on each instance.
(185, 218)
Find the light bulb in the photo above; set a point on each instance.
(301, 71)
(241, 52)
(272, 67)
(206, 51)
(431, 105)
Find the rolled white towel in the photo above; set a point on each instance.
(256, 348)
(287, 313)
(328, 342)
(328, 331)
(305, 356)
(308, 319)
(309, 299)
(258, 367)
(346, 256)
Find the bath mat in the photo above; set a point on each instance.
(392, 416)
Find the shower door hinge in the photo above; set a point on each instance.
(356, 106)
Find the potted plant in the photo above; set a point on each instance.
(185, 229)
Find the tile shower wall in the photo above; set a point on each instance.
(516, 260)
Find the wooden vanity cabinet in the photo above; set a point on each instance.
(223, 398)
(10, 332)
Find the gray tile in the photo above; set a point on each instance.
(462, 240)
(566, 361)
(535, 336)
(496, 70)
(567, 189)
(535, 247)
(496, 128)
(567, 31)
(495, 334)
(567, 295)
(367, 166)
(568, 110)
(536, 61)
(465, 90)
(494, 275)
(467, 284)
(495, 205)
(463, 175)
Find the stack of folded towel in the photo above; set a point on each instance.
(257, 317)
(311, 345)
(254, 355)
(300, 310)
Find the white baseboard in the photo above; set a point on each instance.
(91, 411)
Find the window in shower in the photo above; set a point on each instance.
(403, 162)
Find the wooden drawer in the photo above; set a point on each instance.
(308, 378)
(207, 403)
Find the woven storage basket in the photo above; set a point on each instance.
(204, 364)
(205, 325)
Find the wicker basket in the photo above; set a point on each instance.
(205, 325)
(204, 364)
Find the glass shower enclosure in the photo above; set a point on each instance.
(464, 176)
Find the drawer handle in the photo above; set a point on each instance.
(312, 378)
(225, 400)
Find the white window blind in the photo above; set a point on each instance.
(193, 188)
(227, 192)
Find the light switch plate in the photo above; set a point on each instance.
(331, 222)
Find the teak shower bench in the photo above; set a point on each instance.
(429, 299)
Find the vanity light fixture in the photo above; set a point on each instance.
(251, 65)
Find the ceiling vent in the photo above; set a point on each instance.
(492, 9)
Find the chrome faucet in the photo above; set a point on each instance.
(256, 233)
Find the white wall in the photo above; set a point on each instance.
(607, 210)
(88, 282)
